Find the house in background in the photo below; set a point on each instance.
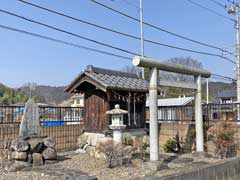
(76, 100)
(170, 109)
(103, 89)
(228, 96)
(226, 110)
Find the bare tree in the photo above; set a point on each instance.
(132, 69)
(188, 62)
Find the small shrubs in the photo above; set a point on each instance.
(116, 154)
(170, 146)
(174, 145)
(222, 135)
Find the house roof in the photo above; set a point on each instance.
(227, 94)
(173, 101)
(109, 79)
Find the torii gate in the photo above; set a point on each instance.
(155, 65)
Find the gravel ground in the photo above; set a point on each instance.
(24, 175)
(99, 168)
(83, 163)
(79, 163)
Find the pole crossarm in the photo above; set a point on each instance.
(170, 67)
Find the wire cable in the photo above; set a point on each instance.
(210, 10)
(116, 32)
(80, 46)
(63, 42)
(157, 27)
(69, 33)
(114, 47)
(232, 2)
(219, 4)
(222, 77)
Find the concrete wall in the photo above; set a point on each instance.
(186, 134)
(170, 130)
(227, 170)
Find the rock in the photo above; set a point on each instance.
(17, 166)
(103, 141)
(100, 155)
(93, 138)
(85, 177)
(91, 150)
(49, 142)
(21, 156)
(30, 158)
(182, 160)
(49, 162)
(19, 145)
(137, 162)
(200, 154)
(81, 151)
(49, 154)
(85, 146)
(30, 124)
(82, 140)
(78, 177)
(37, 159)
(35, 145)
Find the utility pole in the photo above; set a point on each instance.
(235, 10)
(207, 89)
(142, 35)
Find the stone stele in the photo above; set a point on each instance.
(30, 125)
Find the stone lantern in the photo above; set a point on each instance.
(117, 123)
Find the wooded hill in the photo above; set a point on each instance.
(47, 94)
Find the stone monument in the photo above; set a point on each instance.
(30, 125)
(30, 148)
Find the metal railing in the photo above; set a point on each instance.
(211, 113)
(62, 123)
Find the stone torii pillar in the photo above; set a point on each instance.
(198, 116)
(153, 100)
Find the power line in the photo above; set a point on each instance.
(130, 4)
(69, 33)
(210, 10)
(157, 27)
(63, 42)
(128, 35)
(218, 3)
(222, 77)
(232, 2)
(79, 46)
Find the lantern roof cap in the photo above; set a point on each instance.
(117, 110)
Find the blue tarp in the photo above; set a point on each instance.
(53, 123)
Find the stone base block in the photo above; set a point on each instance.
(200, 154)
(151, 167)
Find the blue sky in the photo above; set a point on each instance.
(29, 59)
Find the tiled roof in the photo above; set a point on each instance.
(173, 101)
(113, 79)
(227, 94)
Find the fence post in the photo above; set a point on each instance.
(198, 116)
